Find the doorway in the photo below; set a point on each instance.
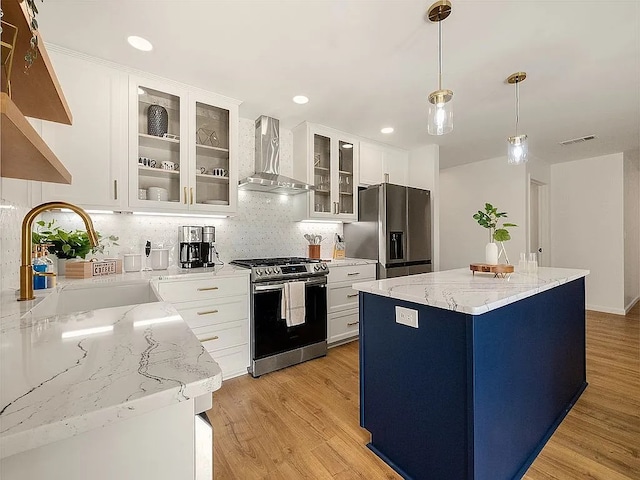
(538, 240)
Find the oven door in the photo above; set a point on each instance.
(269, 332)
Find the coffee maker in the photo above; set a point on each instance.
(208, 250)
(190, 238)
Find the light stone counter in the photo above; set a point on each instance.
(350, 262)
(62, 375)
(461, 291)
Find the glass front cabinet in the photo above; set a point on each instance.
(327, 159)
(183, 149)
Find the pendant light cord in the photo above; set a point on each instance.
(440, 55)
(517, 107)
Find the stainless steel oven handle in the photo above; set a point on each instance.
(280, 286)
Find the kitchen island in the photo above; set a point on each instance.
(111, 390)
(467, 376)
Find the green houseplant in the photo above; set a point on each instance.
(67, 244)
(490, 218)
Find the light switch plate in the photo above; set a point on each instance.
(407, 316)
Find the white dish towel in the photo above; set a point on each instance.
(293, 306)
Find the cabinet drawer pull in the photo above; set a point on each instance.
(351, 295)
(204, 289)
(208, 312)
(351, 324)
(351, 274)
(215, 337)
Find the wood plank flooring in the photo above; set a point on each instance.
(303, 422)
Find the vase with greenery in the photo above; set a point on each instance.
(68, 244)
(490, 218)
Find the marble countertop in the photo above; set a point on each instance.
(64, 374)
(461, 291)
(350, 262)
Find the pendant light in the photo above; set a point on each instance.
(517, 145)
(440, 120)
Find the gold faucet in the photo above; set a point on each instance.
(26, 268)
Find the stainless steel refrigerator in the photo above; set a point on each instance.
(394, 228)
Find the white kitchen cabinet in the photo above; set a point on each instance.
(193, 163)
(342, 300)
(94, 147)
(327, 159)
(217, 311)
(376, 160)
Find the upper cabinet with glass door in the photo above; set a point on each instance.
(183, 153)
(327, 159)
(214, 172)
(158, 154)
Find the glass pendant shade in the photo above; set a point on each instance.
(440, 115)
(518, 149)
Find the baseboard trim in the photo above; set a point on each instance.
(631, 304)
(614, 311)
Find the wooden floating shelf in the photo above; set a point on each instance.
(24, 154)
(37, 93)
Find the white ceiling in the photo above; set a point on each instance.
(366, 64)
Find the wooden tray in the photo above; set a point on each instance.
(500, 269)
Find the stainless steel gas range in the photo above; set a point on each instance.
(274, 344)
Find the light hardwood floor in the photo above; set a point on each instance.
(303, 421)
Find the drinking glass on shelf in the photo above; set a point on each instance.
(523, 264)
(533, 263)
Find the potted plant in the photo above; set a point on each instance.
(69, 244)
(490, 219)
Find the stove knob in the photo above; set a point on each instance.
(258, 272)
(324, 266)
(268, 271)
(276, 269)
(316, 267)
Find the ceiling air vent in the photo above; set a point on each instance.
(577, 140)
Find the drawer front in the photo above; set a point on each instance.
(203, 313)
(357, 273)
(219, 337)
(343, 326)
(232, 361)
(341, 298)
(175, 291)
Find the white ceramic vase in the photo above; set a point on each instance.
(491, 254)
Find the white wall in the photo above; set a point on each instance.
(424, 172)
(463, 191)
(587, 226)
(631, 228)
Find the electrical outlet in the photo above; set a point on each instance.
(407, 316)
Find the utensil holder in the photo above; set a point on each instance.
(314, 251)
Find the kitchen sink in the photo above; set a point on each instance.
(79, 298)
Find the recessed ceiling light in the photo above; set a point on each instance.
(300, 99)
(140, 43)
(386, 130)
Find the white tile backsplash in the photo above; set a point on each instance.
(263, 227)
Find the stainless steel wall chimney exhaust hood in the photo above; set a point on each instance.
(267, 177)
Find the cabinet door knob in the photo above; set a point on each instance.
(208, 312)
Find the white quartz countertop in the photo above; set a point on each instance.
(461, 291)
(61, 375)
(350, 262)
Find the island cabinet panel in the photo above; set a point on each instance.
(471, 397)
